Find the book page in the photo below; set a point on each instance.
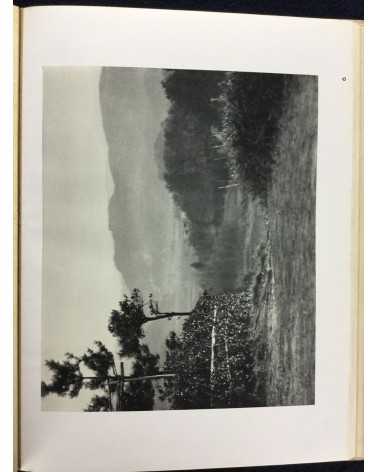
(187, 240)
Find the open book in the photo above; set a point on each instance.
(190, 247)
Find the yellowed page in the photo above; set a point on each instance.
(359, 235)
(327, 430)
(17, 26)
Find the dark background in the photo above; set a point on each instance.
(346, 466)
(338, 9)
(347, 9)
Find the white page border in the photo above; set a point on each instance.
(163, 440)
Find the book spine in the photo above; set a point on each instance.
(359, 244)
(17, 57)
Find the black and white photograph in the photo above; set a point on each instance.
(179, 238)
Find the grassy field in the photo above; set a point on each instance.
(276, 244)
(255, 332)
(291, 216)
(278, 259)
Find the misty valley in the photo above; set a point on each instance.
(212, 215)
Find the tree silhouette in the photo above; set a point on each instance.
(126, 324)
(132, 392)
(66, 377)
(98, 403)
(140, 395)
(216, 361)
(99, 361)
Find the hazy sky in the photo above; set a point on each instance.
(80, 281)
(148, 230)
(94, 251)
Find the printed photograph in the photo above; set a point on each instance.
(178, 252)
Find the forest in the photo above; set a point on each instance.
(252, 328)
(210, 364)
(220, 134)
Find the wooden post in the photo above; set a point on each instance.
(115, 373)
(121, 385)
(110, 395)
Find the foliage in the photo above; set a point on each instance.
(217, 359)
(220, 134)
(99, 361)
(98, 403)
(68, 379)
(192, 174)
(140, 395)
(126, 324)
(238, 377)
(253, 105)
(188, 355)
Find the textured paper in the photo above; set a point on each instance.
(164, 440)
